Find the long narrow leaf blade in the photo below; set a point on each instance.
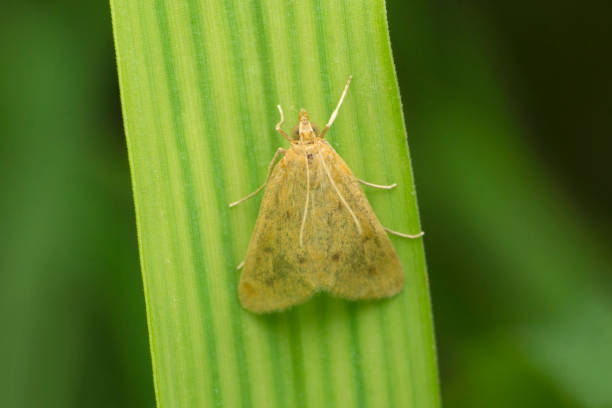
(199, 81)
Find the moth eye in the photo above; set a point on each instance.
(295, 132)
(315, 129)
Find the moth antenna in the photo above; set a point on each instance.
(401, 234)
(348, 207)
(239, 267)
(307, 199)
(335, 112)
(389, 187)
(278, 125)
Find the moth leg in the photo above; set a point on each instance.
(240, 265)
(278, 152)
(378, 185)
(278, 125)
(335, 112)
(401, 234)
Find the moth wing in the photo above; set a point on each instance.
(357, 265)
(273, 277)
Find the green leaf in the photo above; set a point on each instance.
(199, 84)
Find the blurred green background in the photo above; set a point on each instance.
(507, 107)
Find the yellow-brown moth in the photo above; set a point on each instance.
(315, 230)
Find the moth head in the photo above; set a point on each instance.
(305, 128)
(295, 132)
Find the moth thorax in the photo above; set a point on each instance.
(306, 132)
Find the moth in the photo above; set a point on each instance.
(315, 230)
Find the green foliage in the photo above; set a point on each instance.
(520, 278)
(199, 84)
(73, 326)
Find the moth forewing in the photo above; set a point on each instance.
(364, 262)
(271, 278)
